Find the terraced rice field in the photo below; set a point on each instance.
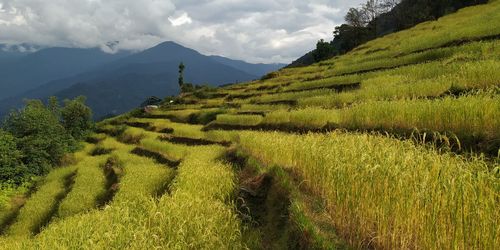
(395, 145)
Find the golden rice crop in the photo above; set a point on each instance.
(388, 193)
(89, 185)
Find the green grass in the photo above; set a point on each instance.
(43, 204)
(239, 120)
(279, 97)
(261, 108)
(308, 118)
(376, 191)
(11, 199)
(397, 49)
(476, 50)
(390, 192)
(180, 129)
(89, 186)
(131, 135)
(414, 82)
(326, 82)
(8, 191)
(221, 135)
(471, 116)
(174, 151)
(467, 23)
(181, 115)
(196, 215)
(467, 116)
(141, 176)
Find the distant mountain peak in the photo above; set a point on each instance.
(114, 82)
(170, 45)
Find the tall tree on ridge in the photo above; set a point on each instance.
(181, 74)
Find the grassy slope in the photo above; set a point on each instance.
(439, 76)
(342, 188)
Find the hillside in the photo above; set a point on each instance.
(259, 69)
(8, 55)
(112, 87)
(34, 69)
(376, 19)
(394, 145)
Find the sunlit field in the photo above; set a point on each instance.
(394, 145)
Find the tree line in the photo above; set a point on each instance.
(377, 18)
(39, 136)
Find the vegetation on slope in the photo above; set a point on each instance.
(200, 172)
(386, 193)
(377, 18)
(194, 214)
(382, 191)
(38, 137)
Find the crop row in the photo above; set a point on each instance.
(387, 193)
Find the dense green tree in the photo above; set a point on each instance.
(348, 37)
(76, 117)
(324, 50)
(11, 167)
(53, 105)
(41, 138)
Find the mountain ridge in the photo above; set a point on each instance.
(35, 69)
(156, 64)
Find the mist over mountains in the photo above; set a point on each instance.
(113, 83)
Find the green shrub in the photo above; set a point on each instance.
(11, 167)
(77, 118)
(42, 140)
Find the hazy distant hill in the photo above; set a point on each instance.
(10, 53)
(122, 84)
(9, 56)
(259, 69)
(35, 69)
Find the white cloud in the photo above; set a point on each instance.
(180, 20)
(257, 31)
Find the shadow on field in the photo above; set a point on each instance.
(112, 171)
(264, 204)
(192, 141)
(161, 159)
(277, 211)
(16, 204)
(158, 157)
(99, 150)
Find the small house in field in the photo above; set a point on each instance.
(150, 104)
(151, 101)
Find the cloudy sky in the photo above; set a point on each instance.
(253, 30)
